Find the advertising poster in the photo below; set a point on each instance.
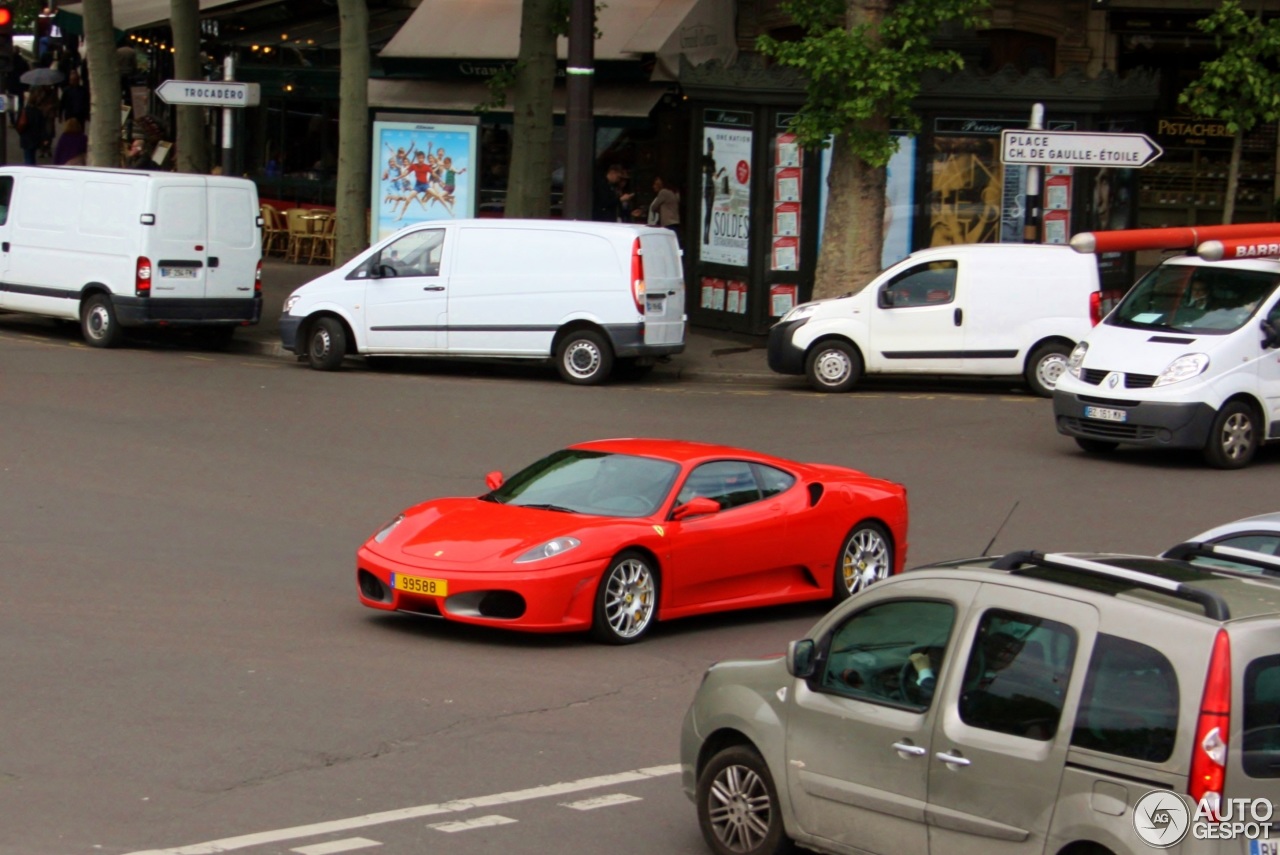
(786, 219)
(421, 171)
(786, 253)
(782, 299)
(737, 298)
(712, 293)
(726, 190)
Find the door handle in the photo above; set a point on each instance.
(953, 759)
(908, 748)
(959, 316)
(213, 261)
(4, 246)
(433, 288)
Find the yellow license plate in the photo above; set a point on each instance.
(420, 585)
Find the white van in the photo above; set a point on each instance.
(995, 309)
(1189, 359)
(585, 294)
(116, 248)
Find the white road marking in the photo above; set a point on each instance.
(468, 824)
(348, 845)
(602, 801)
(228, 844)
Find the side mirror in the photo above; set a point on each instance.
(493, 480)
(801, 658)
(1270, 335)
(695, 508)
(885, 298)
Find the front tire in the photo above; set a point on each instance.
(866, 557)
(1046, 364)
(833, 366)
(98, 323)
(1233, 439)
(584, 358)
(327, 345)
(738, 809)
(626, 600)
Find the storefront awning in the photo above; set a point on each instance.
(128, 14)
(490, 29)
(426, 95)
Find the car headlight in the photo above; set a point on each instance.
(386, 529)
(1183, 368)
(290, 303)
(799, 313)
(549, 549)
(1075, 362)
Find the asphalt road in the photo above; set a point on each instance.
(183, 660)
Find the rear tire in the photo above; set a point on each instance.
(98, 322)
(1233, 439)
(1096, 446)
(833, 366)
(1046, 364)
(584, 358)
(738, 808)
(327, 345)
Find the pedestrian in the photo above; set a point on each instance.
(31, 127)
(608, 203)
(18, 66)
(664, 210)
(137, 157)
(75, 99)
(73, 144)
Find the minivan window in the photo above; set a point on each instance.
(1130, 702)
(1191, 299)
(870, 657)
(6, 193)
(1017, 675)
(928, 284)
(415, 254)
(1262, 718)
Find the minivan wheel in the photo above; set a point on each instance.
(584, 358)
(1046, 364)
(98, 322)
(1233, 438)
(833, 366)
(327, 345)
(865, 558)
(738, 808)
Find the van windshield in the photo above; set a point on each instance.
(1194, 299)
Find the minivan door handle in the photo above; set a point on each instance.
(4, 246)
(907, 748)
(959, 316)
(953, 759)
(213, 261)
(432, 287)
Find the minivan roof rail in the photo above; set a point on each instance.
(1215, 607)
(1268, 564)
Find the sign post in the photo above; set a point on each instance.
(226, 93)
(1077, 148)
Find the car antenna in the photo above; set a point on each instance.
(1000, 529)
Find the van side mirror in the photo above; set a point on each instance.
(1270, 334)
(698, 507)
(801, 658)
(885, 298)
(493, 480)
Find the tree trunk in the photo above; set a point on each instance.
(529, 182)
(353, 132)
(1233, 179)
(190, 140)
(104, 83)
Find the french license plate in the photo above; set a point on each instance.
(655, 304)
(1106, 415)
(178, 272)
(1264, 847)
(420, 585)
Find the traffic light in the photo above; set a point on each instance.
(6, 35)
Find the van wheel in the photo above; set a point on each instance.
(833, 366)
(1096, 446)
(327, 345)
(584, 358)
(1046, 364)
(1233, 439)
(738, 808)
(98, 322)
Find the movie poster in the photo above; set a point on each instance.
(421, 171)
(726, 190)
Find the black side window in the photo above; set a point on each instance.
(1262, 718)
(6, 192)
(729, 482)
(870, 657)
(1017, 675)
(773, 481)
(927, 285)
(1130, 702)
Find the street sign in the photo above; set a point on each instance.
(1077, 148)
(210, 93)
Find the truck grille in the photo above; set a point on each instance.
(1094, 376)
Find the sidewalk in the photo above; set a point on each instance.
(709, 356)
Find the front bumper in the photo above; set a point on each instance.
(289, 325)
(783, 355)
(154, 311)
(1155, 424)
(555, 599)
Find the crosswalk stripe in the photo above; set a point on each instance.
(333, 846)
(468, 824)
(602, 801)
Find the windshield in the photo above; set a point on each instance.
(591, 482)
(1194, 299)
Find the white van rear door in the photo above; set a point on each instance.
(176, 243)
(234, 247)
(664, 288)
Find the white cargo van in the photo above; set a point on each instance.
(587, 295)
(116, 248)
(991, 309)
(1189, 359)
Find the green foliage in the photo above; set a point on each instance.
(859, 70)
(1242, 86)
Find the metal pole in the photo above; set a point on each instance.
(1031, 229)
(579, 126)
(228, 117)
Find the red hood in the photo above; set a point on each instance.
(469, 531)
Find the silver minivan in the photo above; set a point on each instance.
(1033, 703)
